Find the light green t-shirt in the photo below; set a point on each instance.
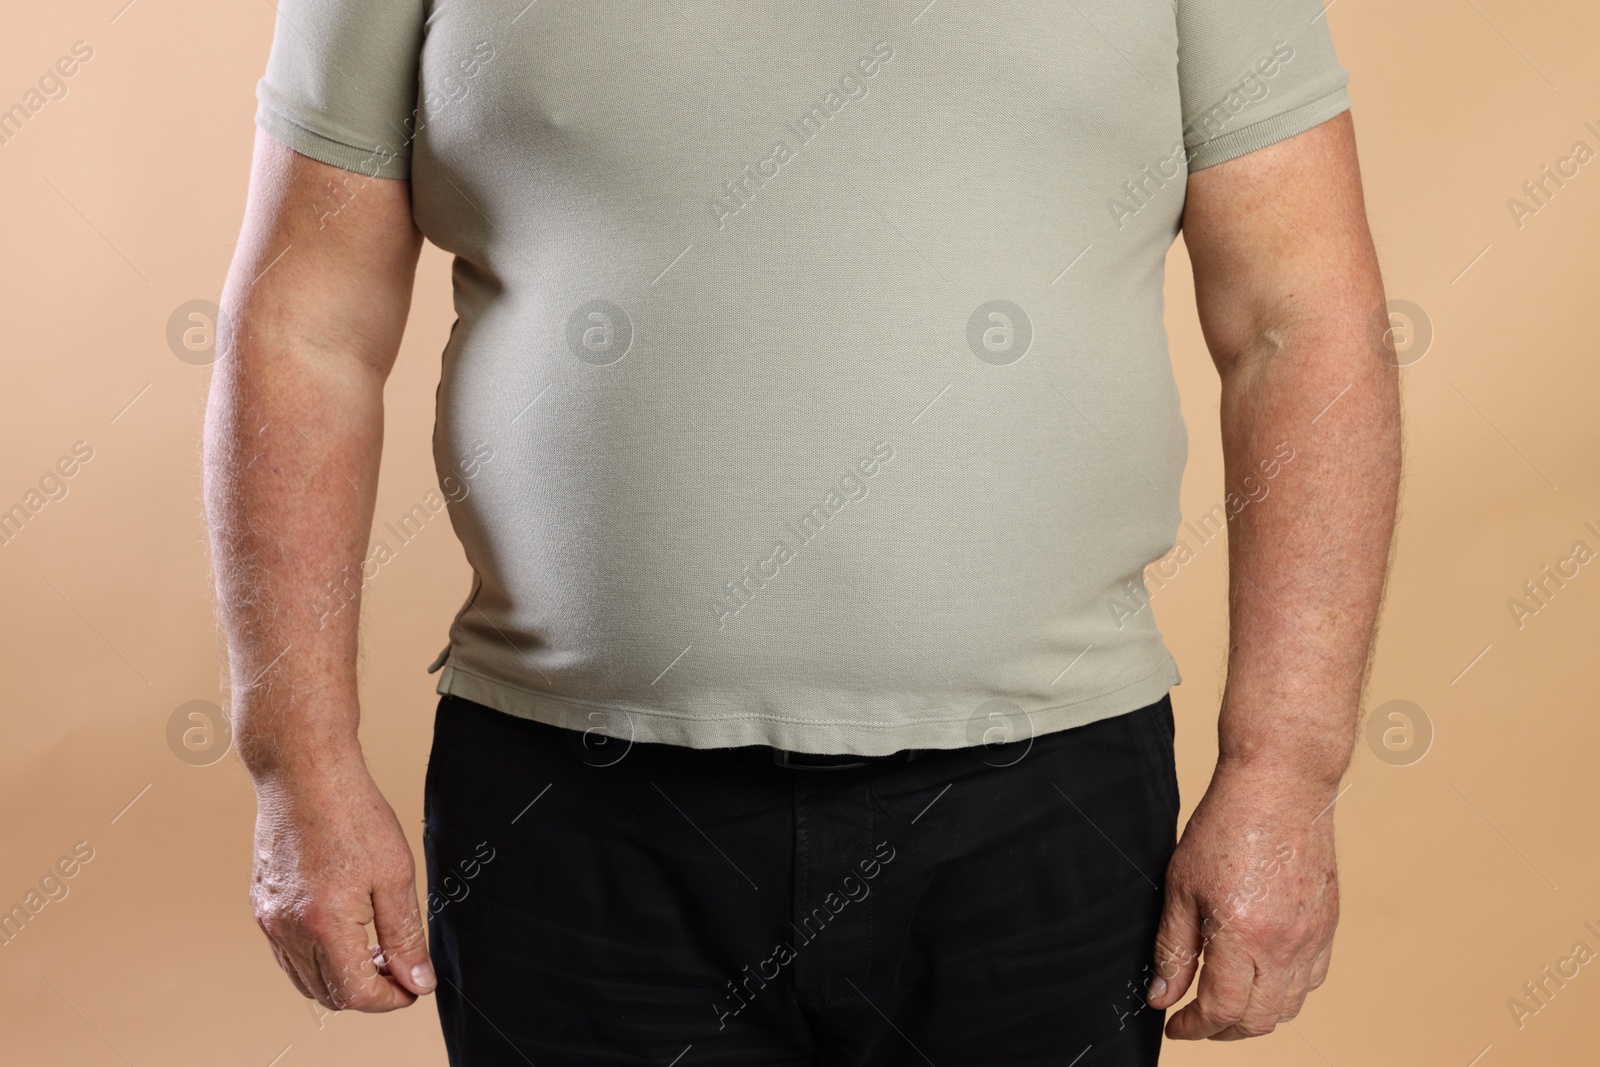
(809, 385)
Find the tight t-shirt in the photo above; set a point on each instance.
(808, 385)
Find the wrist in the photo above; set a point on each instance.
(1310, 771)
(274, 758)
(1294, 740)
(1306, 788)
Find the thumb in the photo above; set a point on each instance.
(402, 937)
(1179, 939)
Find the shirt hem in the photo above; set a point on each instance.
(833, 736)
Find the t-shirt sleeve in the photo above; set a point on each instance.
(341, 82)
(1253, 72)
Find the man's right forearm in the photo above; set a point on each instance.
(293, 438)
(313, 313)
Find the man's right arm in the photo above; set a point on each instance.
(313, 311)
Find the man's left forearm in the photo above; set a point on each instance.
(1291, 304)
(1311, 446)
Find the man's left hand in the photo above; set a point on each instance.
(1253, 886)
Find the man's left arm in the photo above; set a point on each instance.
(1291, 304)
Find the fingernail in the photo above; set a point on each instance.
(1158, 986)
(422, 975)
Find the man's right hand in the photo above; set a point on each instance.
(330, 858)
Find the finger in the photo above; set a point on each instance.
(1319, 966)
(402, 937)
(1296, 987)
(1225, 985)
(290, 970)
(1177, 952)
(291, 947)
(1262, 1012)
(305, 966)
(1276, 996)
(346, 966)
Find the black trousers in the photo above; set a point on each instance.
(601, 903)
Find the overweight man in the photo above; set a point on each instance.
(808, 424)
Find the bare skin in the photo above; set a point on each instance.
(294, 431)
(1289, 292)
(1287, 285)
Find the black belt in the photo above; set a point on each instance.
(825, 761)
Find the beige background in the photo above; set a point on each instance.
(1465, 873)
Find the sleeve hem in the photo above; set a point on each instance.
(1236, 143)
(373, 162)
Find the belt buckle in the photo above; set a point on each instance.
(813, 761)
